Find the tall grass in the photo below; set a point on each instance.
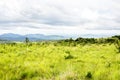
(56, 62)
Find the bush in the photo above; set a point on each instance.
(69, 56)
(117, 44)
(89, 75)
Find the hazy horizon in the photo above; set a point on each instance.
(60, 17)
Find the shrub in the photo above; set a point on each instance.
(69, 56)
(117, 44)
(89, 75)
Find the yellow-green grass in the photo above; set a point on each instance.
(49, 62)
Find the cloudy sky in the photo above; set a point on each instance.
(61, 17)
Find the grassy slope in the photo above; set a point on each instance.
(49, 62)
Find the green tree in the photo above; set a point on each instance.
(26, 40)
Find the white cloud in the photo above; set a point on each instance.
(60, 16)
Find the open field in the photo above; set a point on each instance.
(57, 62)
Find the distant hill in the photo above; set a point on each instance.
(32, 37)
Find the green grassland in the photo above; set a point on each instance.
(39, 61)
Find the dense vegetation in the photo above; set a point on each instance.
(80, 59)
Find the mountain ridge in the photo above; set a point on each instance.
(32, 37)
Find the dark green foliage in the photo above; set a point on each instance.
(116, 36)
(69, 40)
(23, 76)
(69, 56)
(110, 40)
(26, 40)
(84, 41)
(89, 75)
(117, 44)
